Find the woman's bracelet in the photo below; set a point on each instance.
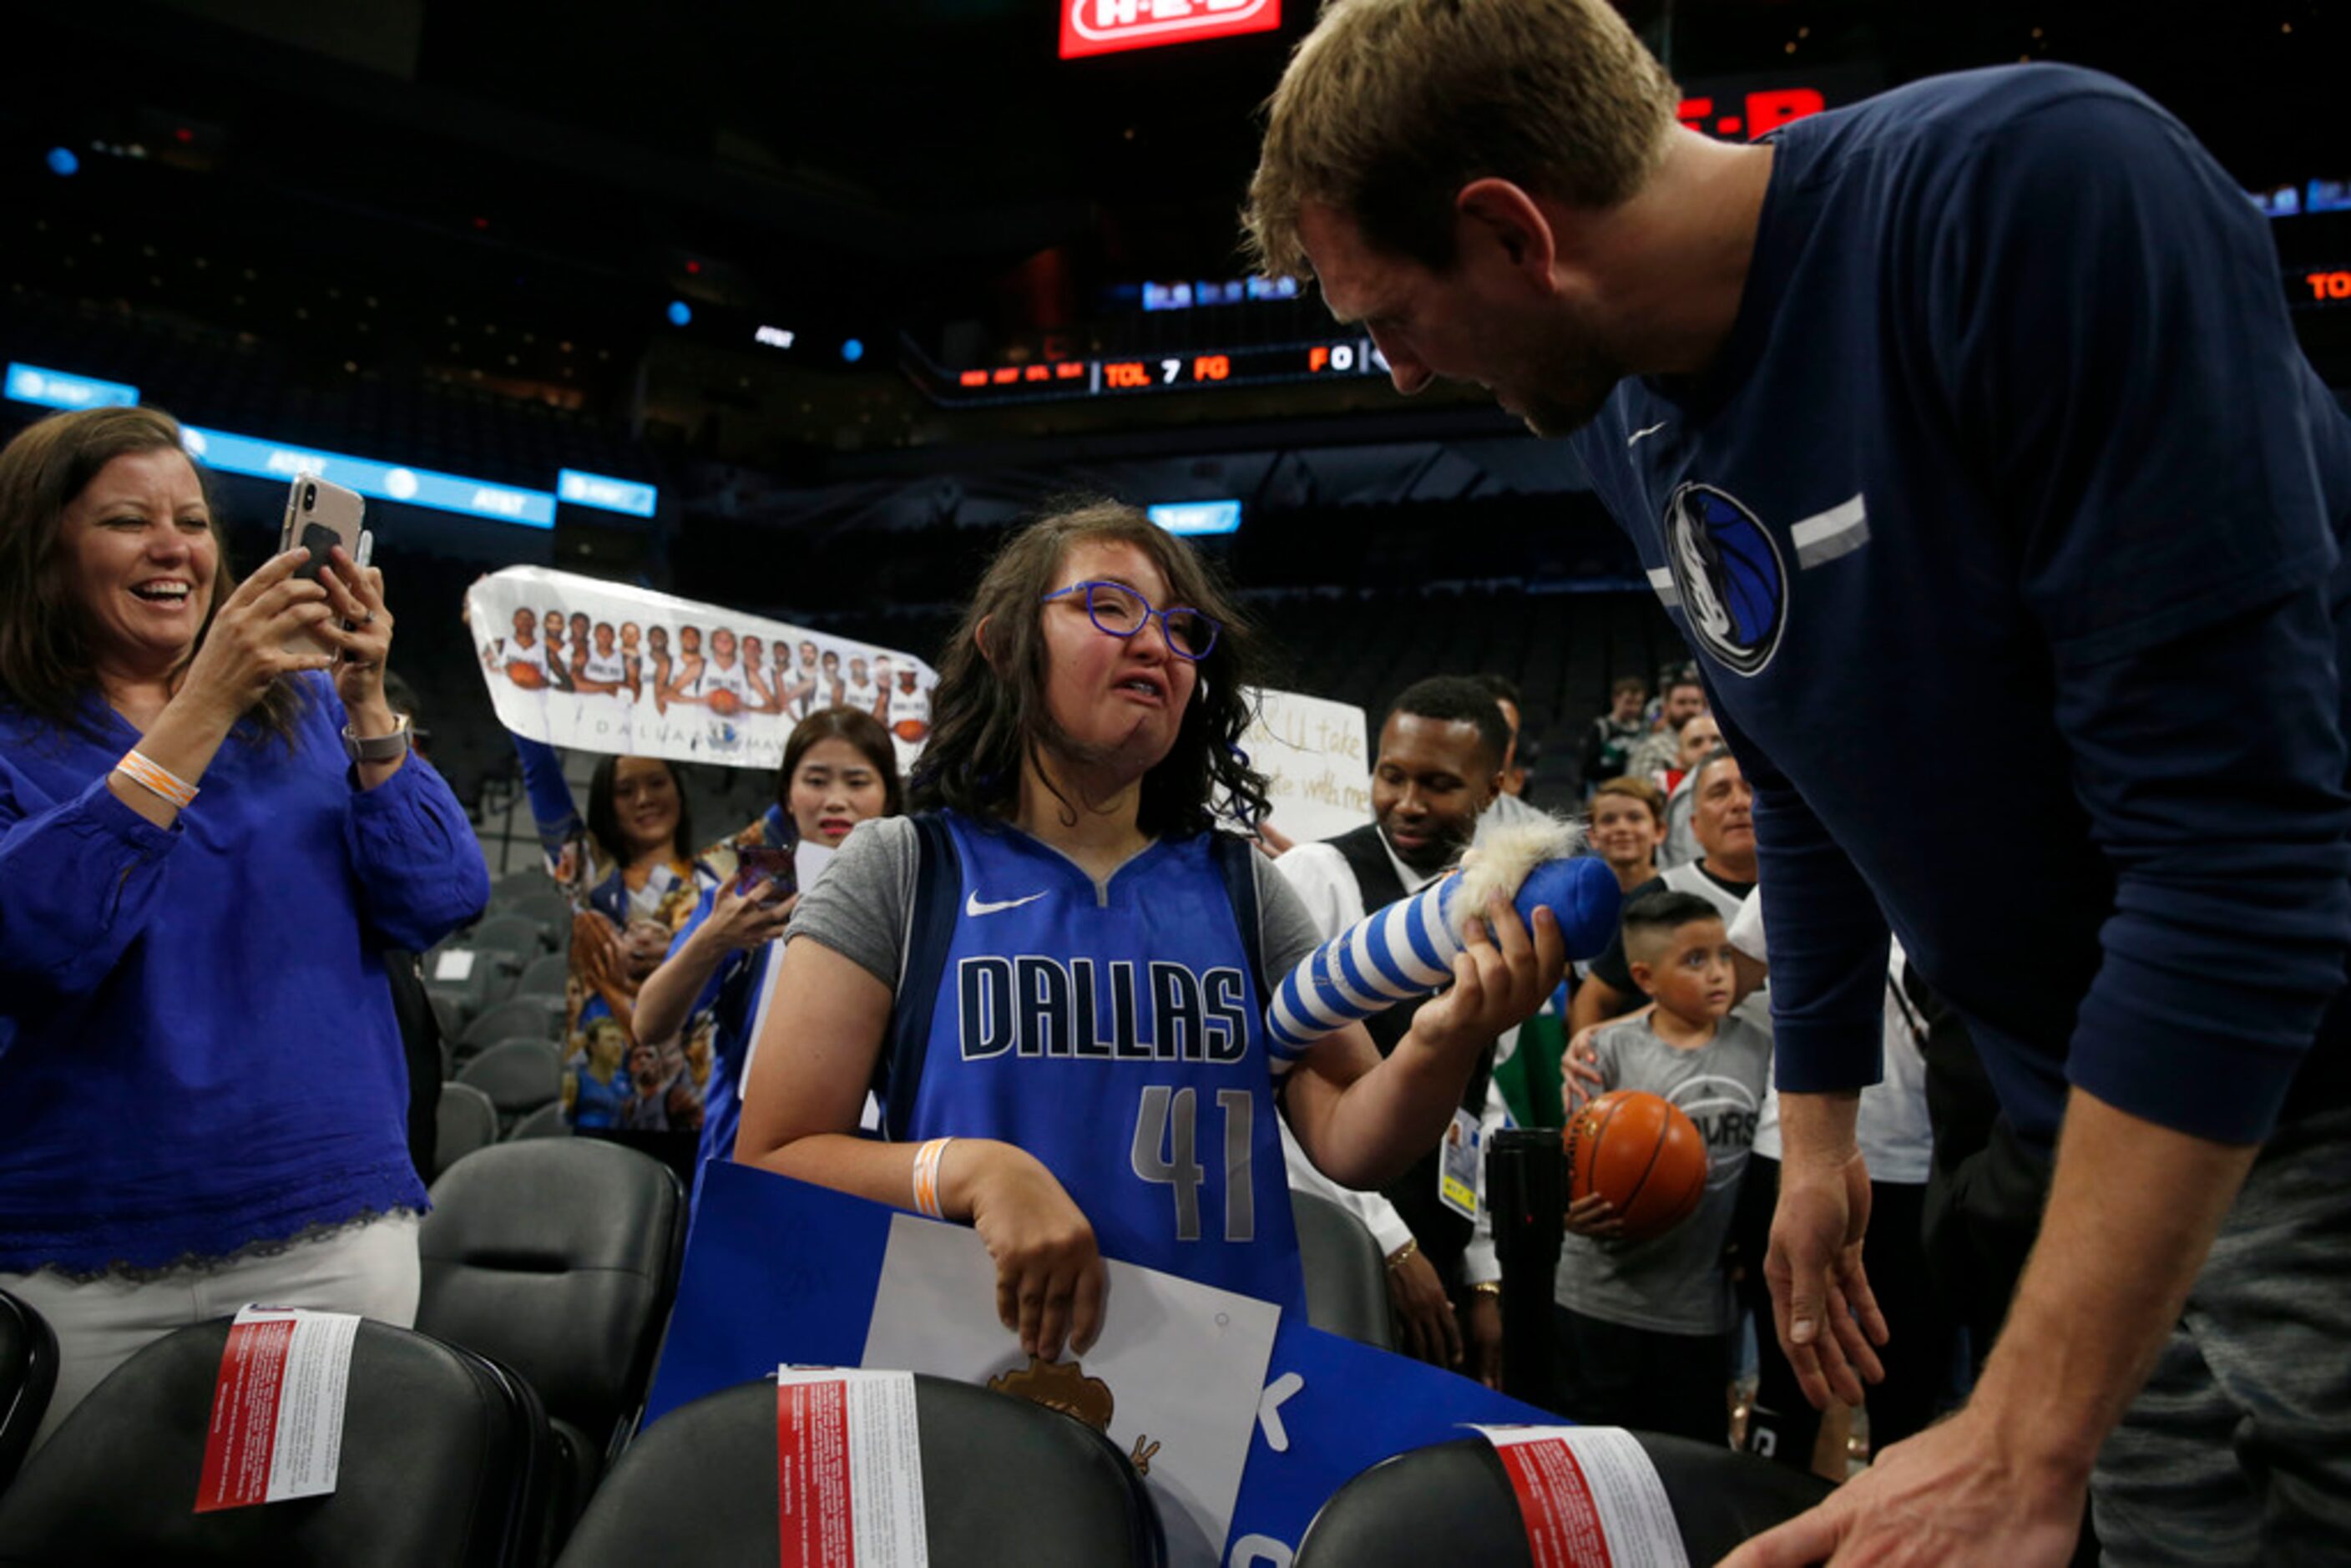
(1486, 1287)
(1397, 1258)
(926, 1177)
(156, 779)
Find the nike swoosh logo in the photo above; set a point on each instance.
(972, 904)
(1651, 430)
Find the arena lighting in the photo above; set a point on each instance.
(605, 493)
(1196, 517)
(1106, 27)
(382, 481)
(679, 313)
(773, 337)
(62, 163)
(1219, 291)
(853, 349)
(55, 389)
(1751, 114)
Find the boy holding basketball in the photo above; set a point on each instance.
(1645, 1324)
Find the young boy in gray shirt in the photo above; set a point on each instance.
(1645, 1326)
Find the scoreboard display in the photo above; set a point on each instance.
(1140, 375)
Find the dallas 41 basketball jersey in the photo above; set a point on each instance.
(1115, 1033)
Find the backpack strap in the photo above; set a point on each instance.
(1236, 859)
(930, 932)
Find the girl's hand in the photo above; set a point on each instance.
(1501, 979)
(1049, 1278)
(738, 921)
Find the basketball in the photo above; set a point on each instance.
(1638, 1151)
(909, 730)
(529, 676)
(726, 702)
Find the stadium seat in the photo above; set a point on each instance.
(28, 1374)
(1346, 1277)
(448, 1014)
(518, 938)
(518, 1075)
(516, 1018)
(997, 1471)
(560, 1260)
(547, 976)
(445, 1459)
(1452, 1502)
(547, 1122)
(465, 984)
(551, 909)
(465, 1121)
(519, 885)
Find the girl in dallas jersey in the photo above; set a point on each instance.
(1058, 967)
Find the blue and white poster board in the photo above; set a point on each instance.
(1248, 1421)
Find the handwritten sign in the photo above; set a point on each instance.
(1316, 756)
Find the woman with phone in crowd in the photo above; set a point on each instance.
(838, 769)
(1072, 1034)
(206, 841)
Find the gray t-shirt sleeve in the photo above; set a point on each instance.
(1286, 932)
(858, 907)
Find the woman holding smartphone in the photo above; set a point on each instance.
(838, 769)
(206, 843)
(1060, 969)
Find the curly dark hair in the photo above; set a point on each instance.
(990, 712)
(48, 667)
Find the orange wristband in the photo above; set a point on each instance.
(156, 779)
(926, 1177)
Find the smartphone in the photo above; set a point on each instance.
(771, 863)
(320, 514)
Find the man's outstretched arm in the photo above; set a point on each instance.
(2133, 1210)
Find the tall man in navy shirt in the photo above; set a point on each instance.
(1970, 413)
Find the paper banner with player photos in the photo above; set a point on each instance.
(603, 666)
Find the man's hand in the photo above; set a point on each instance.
(1481, 1325)
(1820, 1300)
(1954, 1495)
(1425, 1327)
(1579, 1064)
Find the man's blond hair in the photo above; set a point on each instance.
(1389, 107)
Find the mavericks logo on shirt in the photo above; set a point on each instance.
(1732, 581)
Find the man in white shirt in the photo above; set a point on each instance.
(1437, 769)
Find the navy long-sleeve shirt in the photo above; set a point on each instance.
(198, 1048)
(2007, 527)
